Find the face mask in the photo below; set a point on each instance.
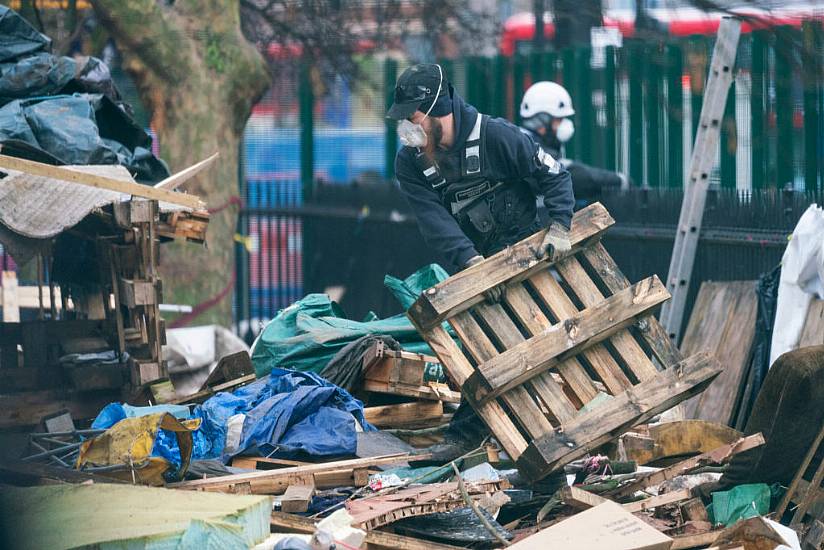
(566, 128)
(413, 135)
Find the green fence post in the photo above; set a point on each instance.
(784, 106)
(633, 52)
(518, 77)
(536, 69)
(758, 111)
(306, 98)
(586, 116)
(675, 116)
(390, 75)
(610, 105)
(812, 66)
(570, 82)
(729, 141)
(652, 110)
(500, 66)
(550, 61)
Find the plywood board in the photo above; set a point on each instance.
(723, 324)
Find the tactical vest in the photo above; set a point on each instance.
(466, 190)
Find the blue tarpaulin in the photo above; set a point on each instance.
(285, 414)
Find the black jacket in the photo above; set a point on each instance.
(587, 181)
(510, 156)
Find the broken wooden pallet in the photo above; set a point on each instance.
(373, 512)
(805, 493)
(404, 373)
(576, 317)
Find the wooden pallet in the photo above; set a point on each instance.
(566, 332)
(803, 492)
(404, 373)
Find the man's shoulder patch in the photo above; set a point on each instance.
(548, 160)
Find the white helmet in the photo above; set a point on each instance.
(546, 97)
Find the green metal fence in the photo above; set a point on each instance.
(638, 106)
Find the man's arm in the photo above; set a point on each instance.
(515, 154)
(439, 229)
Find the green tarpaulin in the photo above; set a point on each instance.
(306, 335)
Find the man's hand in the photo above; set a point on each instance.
(556, 241)
(494, 294)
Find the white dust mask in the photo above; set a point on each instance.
(566, 128)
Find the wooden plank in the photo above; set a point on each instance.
(530, 315)
(29, 408)
(694, 510)
(717, 456)
(375, 540)
(724, 312)
(581, 499)
(658, 500)
(566, 339)
(547, 389)
(296, 499)
(276, 481)
(135, 293)
(700, 540)
(405, 374)
(459, 368)
(813, 332)
(635, 406)
(515, 263)
(677, 439)
(176, 180)
(651, 330)
(403, 414)
(598, 356)
(589, 295)
(100, 182)
(481, 348)
(9, 294)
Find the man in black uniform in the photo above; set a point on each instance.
(546, 111)
(472, 182)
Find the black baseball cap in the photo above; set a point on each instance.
(417, 85)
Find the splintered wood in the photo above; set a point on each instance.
(568, 330)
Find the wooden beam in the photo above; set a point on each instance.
(276, 481)
(658, 500)
(581, 499)
(635, 406)
(176, 180)
(563, 340)
(99, 182)
(403, 414)
(515, 263)
(296, 499)
(375, 540)
(717, 456)
(682, 542)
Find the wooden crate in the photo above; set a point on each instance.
(566, 332)
(404, 373)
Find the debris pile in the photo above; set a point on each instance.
(575, 380)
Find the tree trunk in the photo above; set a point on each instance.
(199, 77)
